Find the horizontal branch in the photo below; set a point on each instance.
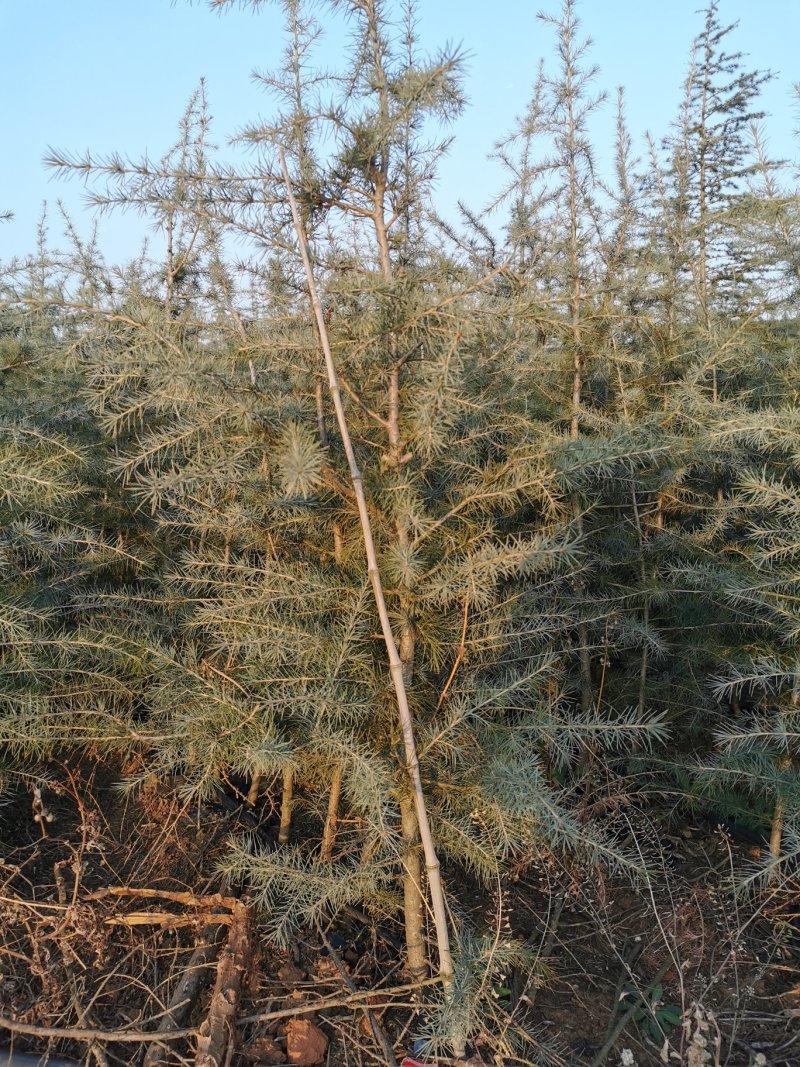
(77, 1034)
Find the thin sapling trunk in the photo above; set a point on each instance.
(332, 817)
(287, 795)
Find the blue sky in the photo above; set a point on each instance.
(113, 75)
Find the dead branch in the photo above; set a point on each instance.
(378, 1032)
(352, 1000)
(187, 989)
(215, 1036)
(144, 1037)
(167, 919)
(78, 1034)
(208, 900)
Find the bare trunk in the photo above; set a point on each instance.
(776, 834)
(585, 661)
(286, 806)
(332, 817)
(779, 811)
(413, 893)
(255, 786)
(321, 427)
(584, 653)
(658, 518)
(646, 610)
(643, 667)
(577, 380)
(170, 299)
(584, 656)
(416, 955)
(338, 544)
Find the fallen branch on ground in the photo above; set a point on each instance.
(216, 1034)
(76, 1034)
(188, 988)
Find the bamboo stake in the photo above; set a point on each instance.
(395, 664)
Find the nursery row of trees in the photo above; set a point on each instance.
(575, 417)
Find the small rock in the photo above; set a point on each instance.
(306, 1044)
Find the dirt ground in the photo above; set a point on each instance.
(106, 897)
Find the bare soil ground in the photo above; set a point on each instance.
(107, 901)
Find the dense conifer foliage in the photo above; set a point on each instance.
(575, 415)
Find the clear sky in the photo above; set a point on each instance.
(112, 75)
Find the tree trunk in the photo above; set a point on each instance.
(255, 786)
(332, 817)
(416, 955)
(286, 806)
(776, 834)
